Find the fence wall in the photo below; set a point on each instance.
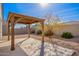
(74, 29)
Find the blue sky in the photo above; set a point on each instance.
(65, 11)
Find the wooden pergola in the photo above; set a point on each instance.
(14, 18)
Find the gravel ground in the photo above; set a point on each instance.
(34, 47)
(71, 44)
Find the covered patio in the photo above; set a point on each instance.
(14, 19)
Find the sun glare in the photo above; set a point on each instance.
(44, 4)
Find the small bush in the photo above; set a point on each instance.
(48, 33)
(32, 31)
(38, 32)
(67, 35)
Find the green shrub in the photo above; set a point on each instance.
(38, 32)
(32, 31)
(48, 33)
(67, 35)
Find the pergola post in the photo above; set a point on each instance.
(29, 30)
(12, 36)
(42, 43)
(42, 23)
(8, 31)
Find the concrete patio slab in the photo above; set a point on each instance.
(5, 49)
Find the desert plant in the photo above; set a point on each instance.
(38, 32)
(32, 31)
(67, 35)
(48, 33)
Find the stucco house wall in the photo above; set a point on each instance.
(0, 21)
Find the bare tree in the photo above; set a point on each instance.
(50, 21)
(51, 18)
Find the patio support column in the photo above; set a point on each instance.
(29, 30)
(8, 31)
(42, 31)
(12, 35)
(42, 42)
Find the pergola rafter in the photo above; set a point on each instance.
(14, 18)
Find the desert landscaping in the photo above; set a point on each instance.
(29, 35)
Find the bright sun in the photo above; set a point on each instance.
(44, 4)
